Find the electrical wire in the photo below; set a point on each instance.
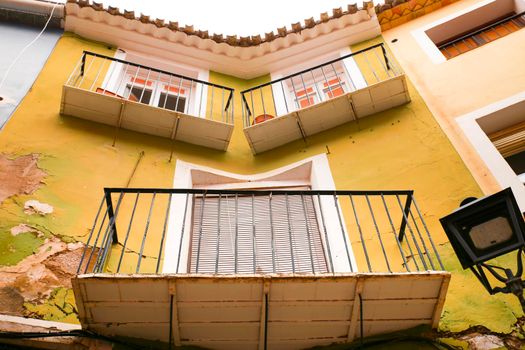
(72, 333)
(28, 45)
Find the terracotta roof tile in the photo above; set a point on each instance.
(232, 40)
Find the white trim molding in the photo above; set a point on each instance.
(496, 115)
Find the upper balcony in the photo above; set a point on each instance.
(322, 97)
(132, 96)
(229, 269)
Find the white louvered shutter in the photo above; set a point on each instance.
(234, 235)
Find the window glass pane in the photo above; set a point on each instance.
(171, 103)
(137, 92)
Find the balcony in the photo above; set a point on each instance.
(228, 269)
(322, 97)
(131, 96)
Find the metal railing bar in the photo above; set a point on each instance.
(337, 78)
(343, 233)
(262, 100)
(90, 53)
(326, 82)
(257, 192)
(273, 100)
(421, 257)
(387, 70)
(110, 77)
(478, 31)
(422, 240)
(305, 91)
(167, 92)
(146, 231)
(315, 67)
(347, 73)
(295, 94)
(182, 230)
(128, 231)
(178, 94)
(203, 203)
(188, 103)
(378, 234)
(108, 237)
(222, 105)
(428, 234)
(308, 234)
(144, 88)
(200, 99)
(74, 71)
(395, 235)
(98, 74)
(132, 84)
(285, 99)
(328, 250)
(164, 232)
(84, 73)
(370, 67)
(315, 85)
(402, 227)
(90, 234)
(96, 240)
(211, 107)
(359, 229)
(121, 80)
(253, 107)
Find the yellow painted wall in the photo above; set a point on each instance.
(402, 148)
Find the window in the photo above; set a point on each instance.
(489, 32)
(318, 85)
(486, 22)
(510, 143)
(256, 234)
(233, 234)
(169, 93)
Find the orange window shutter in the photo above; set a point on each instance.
(334, 87)
(141, 81)
(173, 89)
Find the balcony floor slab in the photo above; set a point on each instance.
(229, 311)
(144, 118)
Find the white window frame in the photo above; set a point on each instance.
(116, 83)
(347, 71)
(320, 179)
(498, 166)
(427, 44)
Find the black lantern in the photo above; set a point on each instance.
(483, 229)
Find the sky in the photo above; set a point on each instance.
(228, 17)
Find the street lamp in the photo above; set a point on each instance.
(483, 229)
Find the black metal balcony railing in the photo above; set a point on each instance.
(317, 84)
(155, 87)
(257, 232)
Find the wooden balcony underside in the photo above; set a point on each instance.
(229, 311)
(144, 118)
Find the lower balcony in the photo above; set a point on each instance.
(322, 97)
(225, 269)
(131, 96)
